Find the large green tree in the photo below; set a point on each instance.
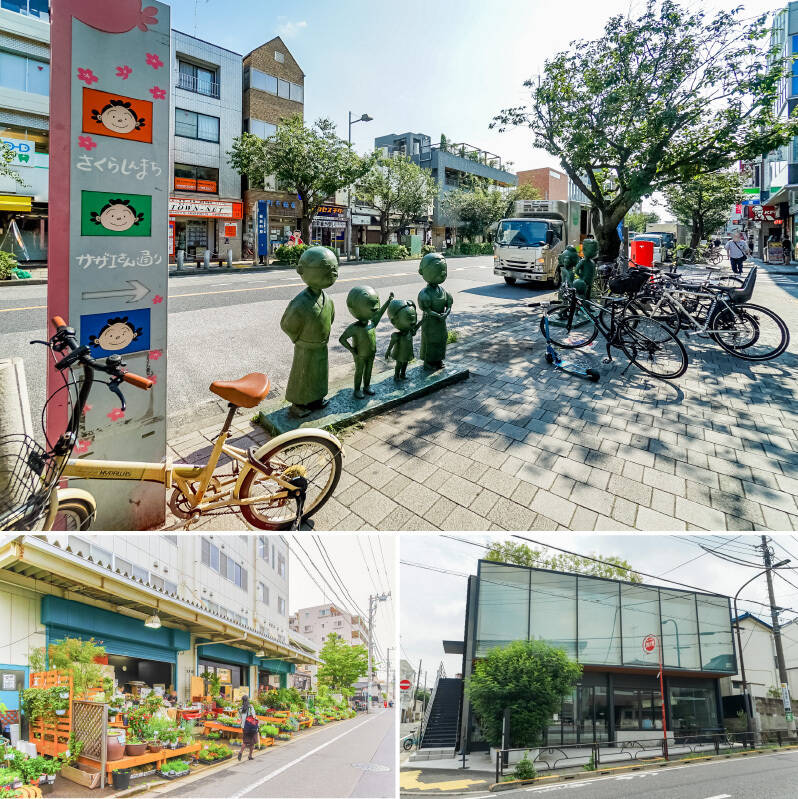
(399, 189)
(530, 678)
(474, 208)
(637, 220)
(705, 202)
(314, 160)
(343, 665)
(610, 566)
(658, 99)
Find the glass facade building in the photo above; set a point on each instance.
(601, 624)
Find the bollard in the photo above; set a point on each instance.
(180, 259)
(206, 259)
(230, 258)
(357, 253)
(15, 417)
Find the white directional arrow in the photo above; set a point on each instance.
(135, 292)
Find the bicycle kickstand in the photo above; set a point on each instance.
(608, 359)
(301, 484)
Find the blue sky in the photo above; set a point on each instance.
(428, 66)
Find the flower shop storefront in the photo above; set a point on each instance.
(273, 673)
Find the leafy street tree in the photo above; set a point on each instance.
(473, 209)
(637, 220)
(343, 665)
(531, 679)
(658, 99)
(399, 189)
(312, 160)
(6, 171)
(525, 192)
(704, 202)
(611, 567)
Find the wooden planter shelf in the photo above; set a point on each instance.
(45, 734)
(158, 758)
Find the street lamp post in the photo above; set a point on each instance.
(678, 647)
(361, 118)
(747, 698)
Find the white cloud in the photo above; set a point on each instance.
(288, 29)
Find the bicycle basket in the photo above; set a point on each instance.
(27, 475)
(630, 283)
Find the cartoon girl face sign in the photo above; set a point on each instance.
(117, 216)
(117, 334)
(118, 117)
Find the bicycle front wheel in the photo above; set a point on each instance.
(306, 451)
(582, 331)
(750, 332)
(652, 347)
(661, 309)
(72, 514)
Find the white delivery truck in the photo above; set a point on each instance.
(527, 244)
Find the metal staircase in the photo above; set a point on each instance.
(439, 727)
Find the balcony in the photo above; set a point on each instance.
(202, 86)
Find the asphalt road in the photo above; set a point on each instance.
(223, 326)
(354, 758)
(761, 777)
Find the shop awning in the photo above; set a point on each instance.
(13, 202)
(46, 567)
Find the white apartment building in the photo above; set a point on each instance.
(220, 604)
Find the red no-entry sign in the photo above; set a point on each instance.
(649, 644)
(405, 685)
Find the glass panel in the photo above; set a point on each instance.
(651, 710)
(639, 617)
(693, 710)
(186, 68)
(260, 80)
(206, 82)
(598, 608)
(714, 625)
(679, 630)
(12, 71)
(214, 558)
(627, 709)
(38, 77)
(207, 128)
(283, 89)
(553, 609)
(569, 720)
(296, 92)
(185, 123)
(502, 607)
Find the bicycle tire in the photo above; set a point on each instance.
(572, 339)
(636, 335)
(258, 518)
(73, 514)
(667, 313)
(750, 314)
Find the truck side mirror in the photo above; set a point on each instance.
(549, 236)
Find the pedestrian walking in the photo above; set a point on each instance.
(249, 726)
(738, 251)
(787, 246)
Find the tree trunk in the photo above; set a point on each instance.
(695, 234)
(384, 229)
(609, 243)
(305, 230)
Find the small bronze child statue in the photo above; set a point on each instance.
(364, 304)
(402, 314)
(435, 304)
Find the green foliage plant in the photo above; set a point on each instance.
(343, 665)
(524, 769)
(383, 252)
(591, 764)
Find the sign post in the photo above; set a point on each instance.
(263, 230)
(650, 643)
(108, 255)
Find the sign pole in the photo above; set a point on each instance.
(650, 643)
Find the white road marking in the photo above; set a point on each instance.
(720, 796)
(250, 788)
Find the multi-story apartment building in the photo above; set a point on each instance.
(205, 206)
(451, 164)
(274, 89)
(24, 126)
(165, 607)
(551, 183)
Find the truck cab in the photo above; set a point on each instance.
(528, 244)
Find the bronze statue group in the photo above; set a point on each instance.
(309, 316)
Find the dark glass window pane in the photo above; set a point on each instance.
(503, 607)
(553, 610)
(640, 617)
(679, 630)
(693, 710)
(599, 611)
(627, 709)
(714, 628)
(207, 128)
(185, 123)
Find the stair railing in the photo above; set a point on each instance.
(428, 710)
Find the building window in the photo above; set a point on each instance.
(263, 593)
(260, 80)
(255, 79)
(598, 609)
(192, 125)
(296, 93)
(263, 547)
(308, 628)
(172, 539)
(257, 127)
(274, 559)
(203, 179)
(279, 57)
(24, 74)
(281, 606)
(693, 710)
(156, 582)
(281, 566)
(123, 566)
(31, 8)
(197, 79)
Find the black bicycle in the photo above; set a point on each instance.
(647, 343)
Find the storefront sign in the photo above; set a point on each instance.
(360, 219)
(171, 237)
(331, 211)
(215, 209)
(337, 224)
(230, 231)
(9, 681)
(109, 103)
(208, 186)
(185, 184)
(763, 213)
(649, 644)
(263, 227)
(23, 150)
(775, 252)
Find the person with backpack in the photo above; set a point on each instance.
(738, 251)
(250, 728)
(787, 247)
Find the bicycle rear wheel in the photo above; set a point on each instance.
(750, 332)
(582, 332)
(660, 309)
(652, 347)
(73, 514)
(322, 462)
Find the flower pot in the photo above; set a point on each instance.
(135, 749)
(154, 746)
(115, 749)
(121, 778)
(51, 778)
(61, 712)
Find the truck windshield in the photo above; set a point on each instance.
(522, 233)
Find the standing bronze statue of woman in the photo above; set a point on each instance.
(435, 303)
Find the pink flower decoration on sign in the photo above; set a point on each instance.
(87, 76)
(86, 408)
(152, 378)
(82, 446)
(86, 142)
(155, 354)
(116, 414)
(123, 72)
(157, 299)
(154, 61)
(158, 93)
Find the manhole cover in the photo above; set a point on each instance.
(371, 767)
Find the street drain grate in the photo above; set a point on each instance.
(370, 767)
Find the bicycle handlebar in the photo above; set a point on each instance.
(58, 322)
(137, 381)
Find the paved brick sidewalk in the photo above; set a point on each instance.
(520, 446)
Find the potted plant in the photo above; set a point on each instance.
(154, 746)
(285, 731)
(114, 745)
(170, 737)
(135, 746)
(268, 731)
(121, 778)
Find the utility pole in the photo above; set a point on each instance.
(388, 684)
(373, 600)
(774, 617)
(415, 693)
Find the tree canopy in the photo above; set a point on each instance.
(658, 99)
(474, 208)
(6, 170)
(399, 189)
(530, 678)
(313, 160)
(705, 202)
(637, 220)
(343, 665)
(611, 567)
